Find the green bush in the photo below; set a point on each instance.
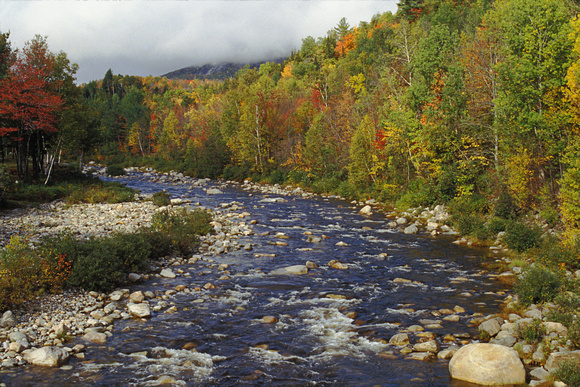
(473, 225)
(496, 225)
(505, 206)
(5, 183)
(20, 273)
(566, 312)
(111, 192)
(420, 193)
(115, 170)
(538, 284)
(569, 373)
(161, 198)
(521, 237)
(182, 226)
(471, 204)
(532, 332)
(551, 216)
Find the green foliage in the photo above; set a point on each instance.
(473, 225)
(566, 312)
(532, 332)
(115, 170)
(521, 237)
(569, 373)
(20, 273)
(554, 253)
(182, 226)
(505, 206)
(538, 284)
(161, 199)
(496, 225)
(419, 194)
(111, 192)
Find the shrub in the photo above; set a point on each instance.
(551, 216)
(532, 332)
(505, 206)
(473, 225)
(101, 193)
(566, 312)
(569, 373)
(161, 198)
(420, 193)
(115, 170)
(182, 226)
(538, 284)
(521, 237)
(496, 225)
(20, 273)
(5, 182)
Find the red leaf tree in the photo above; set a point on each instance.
(29, 105)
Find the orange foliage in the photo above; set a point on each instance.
(346, 44)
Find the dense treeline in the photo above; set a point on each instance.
(468, 102)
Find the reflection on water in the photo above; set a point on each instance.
(332, 326)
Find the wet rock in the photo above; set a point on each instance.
(341, 244)
(291, 270)
(95, 337)
(313, 239)
(428, 346)
(311, 265)
(335, 264)
(47, 357)
(213, 191)
(137, 297)
(134, 277)
(487, 364)
(139, 310)
(412, 229)
(399, 339)
(447, 353)
(167, 273)
(269, 319)
(366, 211)
(422, 356)
(401, 221)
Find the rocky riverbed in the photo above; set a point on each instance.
(39, 332)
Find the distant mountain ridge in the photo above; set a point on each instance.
(219, 71)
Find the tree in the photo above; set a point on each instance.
(29, 105)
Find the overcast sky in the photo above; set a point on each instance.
(156, 37)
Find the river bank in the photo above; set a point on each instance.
(96, 313)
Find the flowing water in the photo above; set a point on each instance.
(316, 341)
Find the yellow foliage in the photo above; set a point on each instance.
(287, 72)
(519, 176)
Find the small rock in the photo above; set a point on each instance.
(269, 319)
(400, 339)
(335, 264)
(167, 273)
(137, 297)
(423, 356)
(412, 229)
(428, 346)
(491, 327)
(366, 211)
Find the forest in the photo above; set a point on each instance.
(469, 103)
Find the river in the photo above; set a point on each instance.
(333, 325)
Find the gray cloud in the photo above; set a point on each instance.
(156, 37)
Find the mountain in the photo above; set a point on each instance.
(218, 71)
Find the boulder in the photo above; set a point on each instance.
(412, 229)
(95, 337)
(8, 320)
(47, 356)
(139, 310)
(492, 327)
(556, 359)
(487, 364)
(291, 270)
(137, 297)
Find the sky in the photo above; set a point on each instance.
(156, 37)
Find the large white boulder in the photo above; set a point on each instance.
(487, 364)
(47, 356)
